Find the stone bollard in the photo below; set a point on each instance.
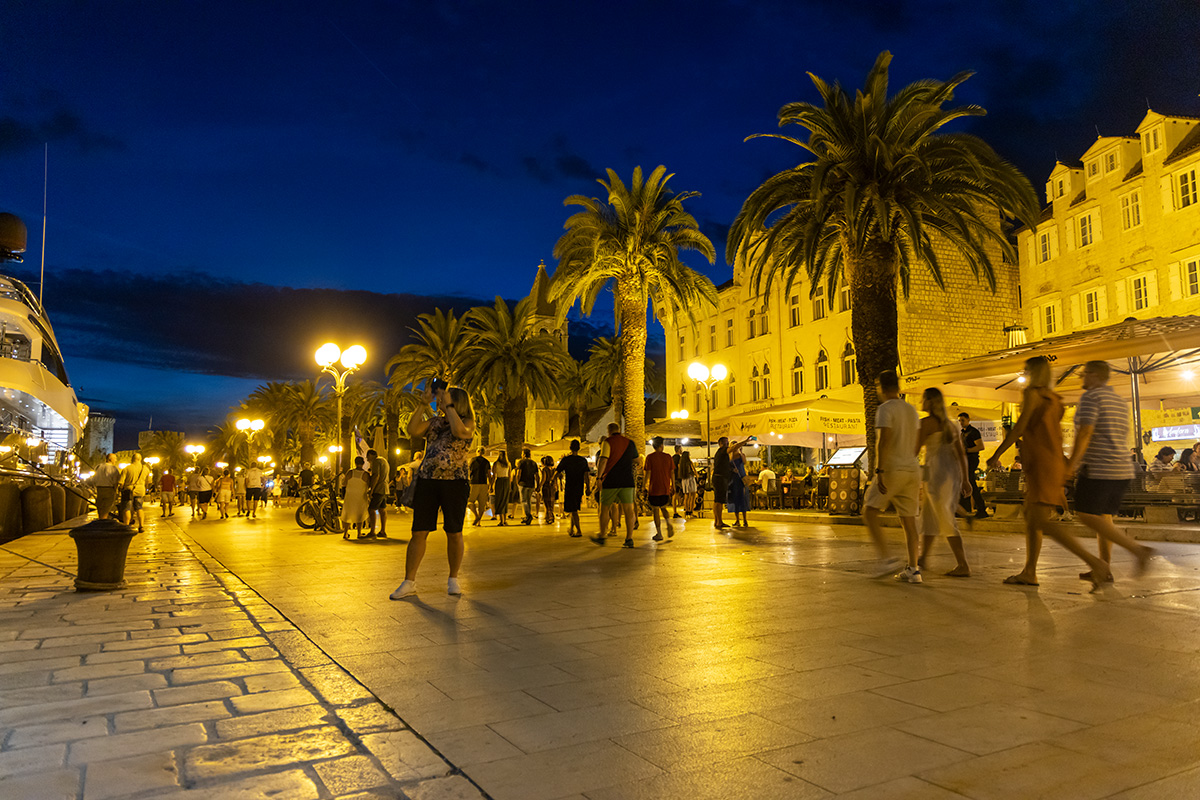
(102, 545)
(58, 504)
(36, 514)
(75, 503)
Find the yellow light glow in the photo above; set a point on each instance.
(328, 353)
(153, 460)
(323, 459)
(333, 448)
(1188, 374)
(354, 356)
(221, 465)
(33, 441)
(123, 465)
(697, 371)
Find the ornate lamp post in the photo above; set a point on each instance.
(708, 379)
(194, 450)
(351, 359)
(249, 427)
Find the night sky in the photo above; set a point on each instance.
(233, 183)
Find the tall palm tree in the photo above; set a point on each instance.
(575, 391)
(603, 370)
(506, 354)
(169, 447)
(437, 353)
(883, 185)
(306, 410)
(631, 242)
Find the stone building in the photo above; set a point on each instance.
(543, 422)
(782, 348)
(1120, 235)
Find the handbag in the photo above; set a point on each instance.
(748, 481)
(409, 494)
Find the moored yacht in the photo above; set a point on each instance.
(36, 398)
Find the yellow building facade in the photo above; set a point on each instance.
(1120, 236)
(789, 347)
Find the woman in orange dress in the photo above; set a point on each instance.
(1040, 431)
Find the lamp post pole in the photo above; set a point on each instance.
(708, 379)
(351, 359)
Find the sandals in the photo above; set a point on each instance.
(1017, 580)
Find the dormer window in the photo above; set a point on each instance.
(1093, 168)
(1151, 141)
(1061, 188)
(1110, 162)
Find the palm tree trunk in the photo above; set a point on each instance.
(633, 366)
(514, 426)
(874, 325)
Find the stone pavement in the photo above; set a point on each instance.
(186, 679)
(762, 664)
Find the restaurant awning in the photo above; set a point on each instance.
(807, 423)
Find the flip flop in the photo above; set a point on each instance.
(1017, 580)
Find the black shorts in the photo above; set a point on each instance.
(448, 496)
(254, 493)
(1099, 497)
(204, 497)
(720, 490)
(659, 500)
(572, 499)
(378, 501)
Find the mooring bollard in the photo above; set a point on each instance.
(102, 545)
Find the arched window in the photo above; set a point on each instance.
(696, 402)
(750, 326)
(762, 321)
(732, 391)
(849, 365)
(822, 371)
(766, 382)
(798, 376)
(794, 309)
(754, 384)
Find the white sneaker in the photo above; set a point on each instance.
(885, 567)
(405, 589)
(909, 575)
(452, 587)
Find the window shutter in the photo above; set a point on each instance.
(1072, 235)
(1122, 308)
(1097, 232)
(1102, 301)
(1077, 320)
(1152, 291)
(1054, 242)
(1032, 248)
(1175, 281)
(1168, 196)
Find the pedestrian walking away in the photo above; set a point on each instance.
(133, 490)
(897, 479)
(356, 499)
(166, 493)
(106, 480)
(1099, 461)
(972, 441)
(576, 476)
(479, 472)
(549, 484)
(947, 480)
(721, 470)
(1040, 433)
(527, 482)
(615, 479)
(441, 481)
(381, 478)
(500, 488)
(254, 490)
(739, 493)
(660, 482)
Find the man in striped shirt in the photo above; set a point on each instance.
(1104, 469)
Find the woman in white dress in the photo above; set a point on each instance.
(354, 504)
(946, 479)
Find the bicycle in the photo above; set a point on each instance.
(320, 508)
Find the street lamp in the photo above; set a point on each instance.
(351, 359)
(194, 450)
(708, 379)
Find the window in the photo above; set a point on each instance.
(750, 326)
(766, 389)
(1093, 169)
(1187, 188)
(712, 338)
(1044, 247)
(713, 398)
(729, 332)
(819, 307)
(1087, 233)
(762, 322)
(794, 309)
(849, 365)
(822, 371)
(696, 348)
(754, 384)
(732, 390)
(844, 297)
(1191, 277)
(1110, 162)
(682, 353)
(696, 400)
(1061, 188)
(798, 376)
(1140, 292)
(1152, 141)
(1131, 210)
(1049, 319)
(1091, 306)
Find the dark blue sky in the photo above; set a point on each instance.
(204, 157)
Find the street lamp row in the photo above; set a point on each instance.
(351, 358)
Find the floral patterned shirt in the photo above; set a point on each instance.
(445, 454)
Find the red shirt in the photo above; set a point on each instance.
(660, 474)
(167, 482)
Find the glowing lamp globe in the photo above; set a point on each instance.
(719, 372)
(697, 371)
(354, 356)
(328, 353)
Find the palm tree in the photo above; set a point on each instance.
(168, 446)
(882, 187)
(506, 355)
(631, 242)
(437, 353)
(306, 411)
(575, 391)
(602, 372)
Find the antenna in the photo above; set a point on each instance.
(1147, 103)
(45, 190)
(1097, 131)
